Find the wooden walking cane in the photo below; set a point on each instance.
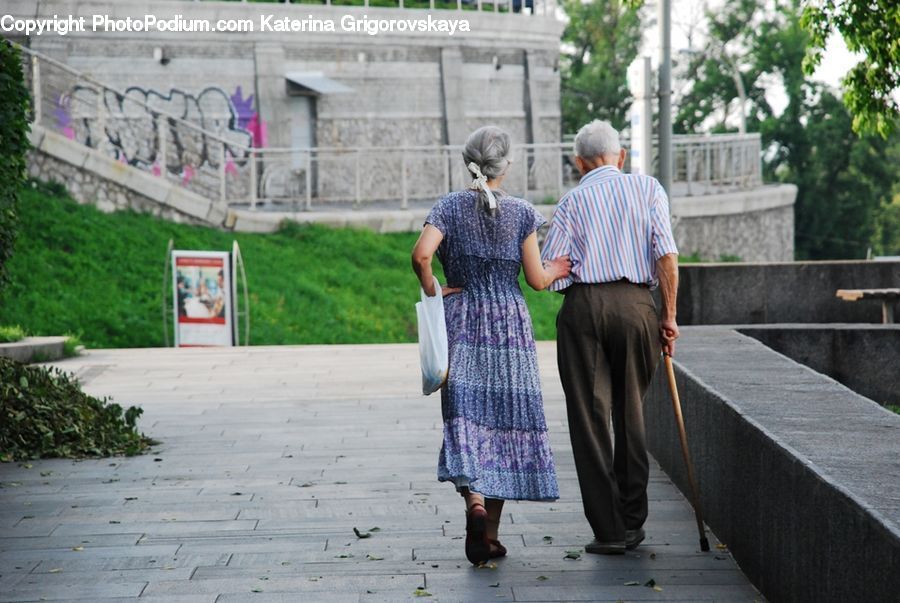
(695, 491)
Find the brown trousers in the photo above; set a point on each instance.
(608, 349)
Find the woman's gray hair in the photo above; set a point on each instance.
(487, 147)
(596, 139)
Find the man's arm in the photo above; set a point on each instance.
(667, 271)
(558, 244)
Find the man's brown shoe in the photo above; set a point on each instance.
(605, 548)
(634, 538)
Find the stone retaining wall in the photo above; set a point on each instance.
(789, 292)
(91, 177)
(865, 358)
(798, 474)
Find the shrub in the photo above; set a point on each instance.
(72, 346)
(11, 334)
(44, 413)
(14, 105)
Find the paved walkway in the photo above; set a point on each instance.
(271, 456)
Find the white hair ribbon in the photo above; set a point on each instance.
(481, 182)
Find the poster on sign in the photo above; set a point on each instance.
(203, 297)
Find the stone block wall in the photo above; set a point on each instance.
(758, 236)
(756, 225)
(106, 195)
(235, 84)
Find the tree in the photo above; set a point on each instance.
(14, 106)
(722, 72)
(887, 225)
(871, 27)
(600, 42)
(844, 179)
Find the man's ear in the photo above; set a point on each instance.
(622, 154)
(580, 164)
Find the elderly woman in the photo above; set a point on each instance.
(496, 446)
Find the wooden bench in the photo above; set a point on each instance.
(887, 297)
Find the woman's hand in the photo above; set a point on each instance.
(445, 291)
(559, 267)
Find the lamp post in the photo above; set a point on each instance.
(665, 95)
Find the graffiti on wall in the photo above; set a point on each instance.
(129, 127)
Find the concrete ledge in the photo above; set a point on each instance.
(723, 204)
(863, 357)
(147, 185)
(62, 148)
(187, 202)
(798, 474)
(144, 183)
(35, 349)
(781, 292)
(35, 136)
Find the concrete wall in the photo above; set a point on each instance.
(798, 474)
(865, 358)
(755, 225)
(400, 82)
(794, 292)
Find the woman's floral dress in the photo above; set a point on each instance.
(495, 434)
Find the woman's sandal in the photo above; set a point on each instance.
(497, 549)
(478, 548)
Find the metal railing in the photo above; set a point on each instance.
(525, 7)
(715, 163)
(212, 153)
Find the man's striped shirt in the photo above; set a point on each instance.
(614, 226)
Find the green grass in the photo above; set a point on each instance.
(78, 270)
(11, 334)
(893, 407)
(694, 258)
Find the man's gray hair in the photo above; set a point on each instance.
(596, 139)
(488, 147)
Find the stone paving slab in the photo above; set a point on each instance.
(98, 567)
(270, 456)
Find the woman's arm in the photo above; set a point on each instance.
(540, 276)
(422, 253)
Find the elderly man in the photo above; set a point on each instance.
(616, 229)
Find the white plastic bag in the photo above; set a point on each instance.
(433, 352)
